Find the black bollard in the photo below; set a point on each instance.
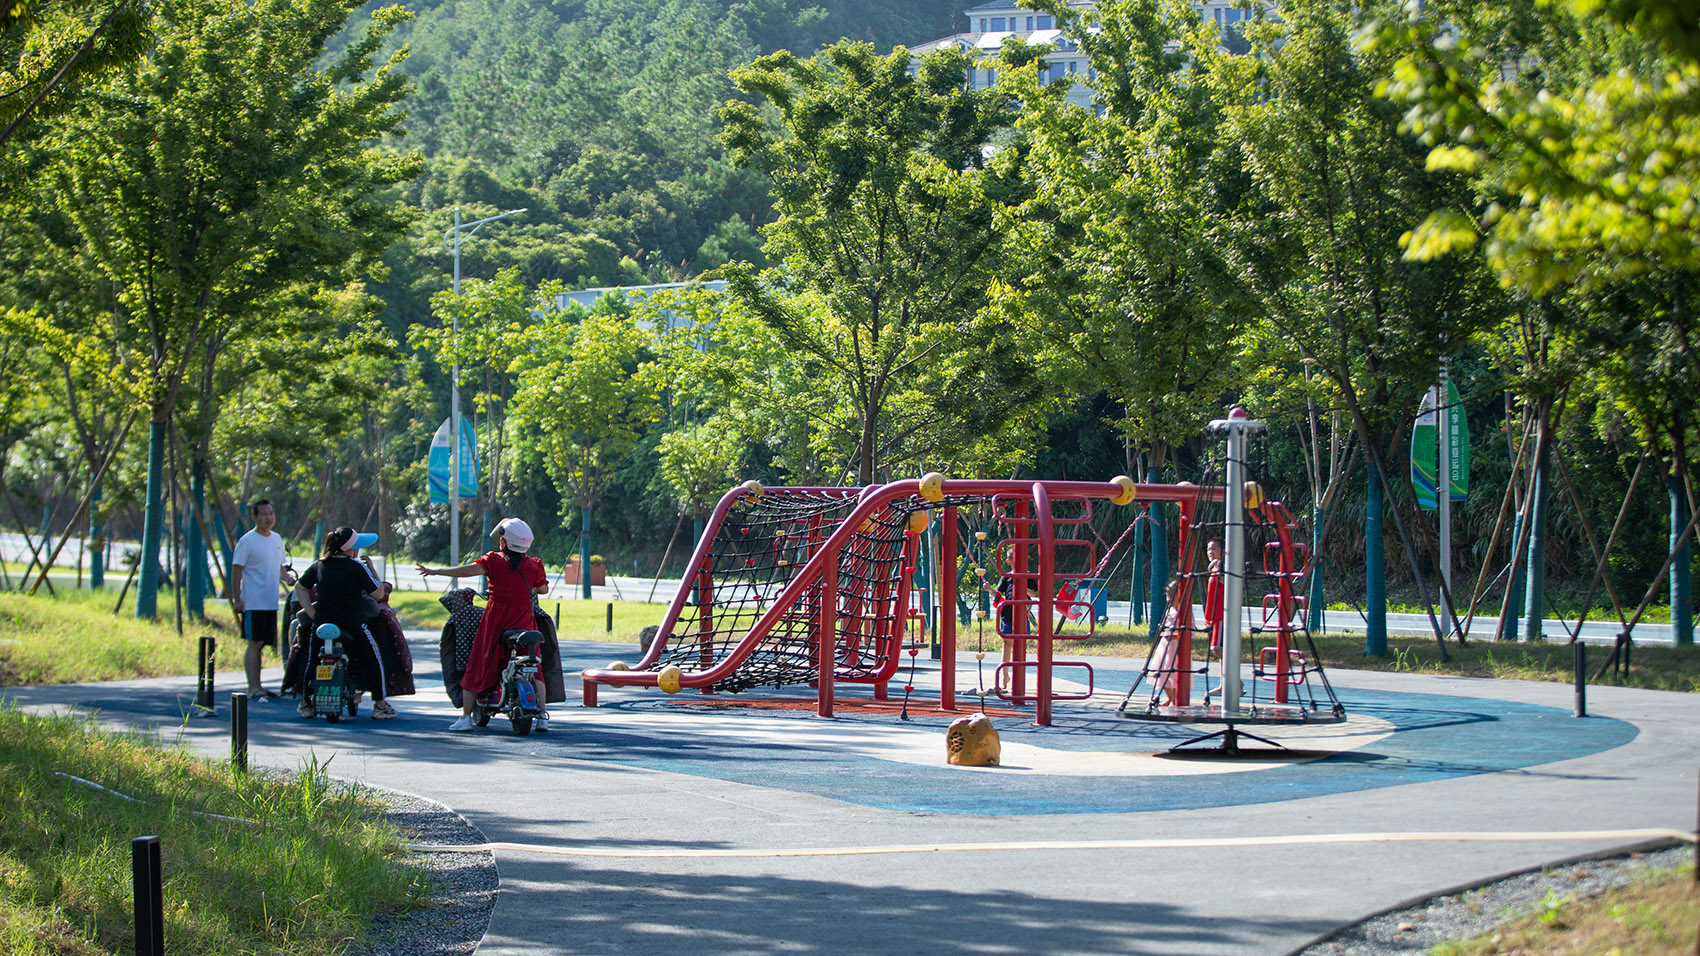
(610, 617)
(1581, 652)
(239, 732)
(150, 903)
(209, 661)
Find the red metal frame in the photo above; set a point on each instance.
(1031, 505)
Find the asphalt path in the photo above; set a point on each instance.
(1083, 843)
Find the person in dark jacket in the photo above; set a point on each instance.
(338, 589)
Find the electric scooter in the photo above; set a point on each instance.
(329, 689)
(515, 696)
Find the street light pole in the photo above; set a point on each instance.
(451, 241)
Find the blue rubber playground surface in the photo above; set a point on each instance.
(1420, 738)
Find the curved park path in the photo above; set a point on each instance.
(656, 825)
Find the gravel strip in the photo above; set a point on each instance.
(463, 886)
(1463, 915)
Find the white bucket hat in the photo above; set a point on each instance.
(516, 531)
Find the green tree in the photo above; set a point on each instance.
(1588, 150)
(889, 235)
(1334, 184)
(225, 168)
(588, 389)
(49, 48)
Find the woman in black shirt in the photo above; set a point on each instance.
(335, 591)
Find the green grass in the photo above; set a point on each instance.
(73, 636)
(1652, 666)
(578, 620)
(1654, 917)
(307, 867)
(1559, 610)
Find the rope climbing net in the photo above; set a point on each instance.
(1285, 669)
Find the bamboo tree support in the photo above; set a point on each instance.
(1623, 640)
(134, 567)
(223, 579)
(1525, 522)
(82, 506)
(665, 554)
(1404, 538)
(29, 542)
(1480, 589)
(1600, 570)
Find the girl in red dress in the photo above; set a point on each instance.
(514, 576)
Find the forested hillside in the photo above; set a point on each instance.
(598, 118)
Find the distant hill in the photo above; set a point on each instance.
(526, 86)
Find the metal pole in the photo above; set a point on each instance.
(204, 687)
(239, 732)
(1233, 507)
(1581, 651)
(149, 895)
(454, 417)
(1443, 485)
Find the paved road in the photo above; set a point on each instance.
(649, 774)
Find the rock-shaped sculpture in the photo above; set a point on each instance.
(972, 742)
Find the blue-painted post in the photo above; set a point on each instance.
(1375, 570)
(195, 551)
(584, 552)
(147, 573)
(228, 556)
(97, 541)
(1534, 585)
(1135, 606)
(1511, 615)
(1159, 564)
(1681, 594)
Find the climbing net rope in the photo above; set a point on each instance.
(762, 544)
(1284, 664)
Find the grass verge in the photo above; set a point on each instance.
(302, 869)
(73, 636)
(1655, 917)
(576, 620)
(1654, 667)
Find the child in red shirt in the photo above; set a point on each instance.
(514, 576)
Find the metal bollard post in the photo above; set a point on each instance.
(1581, 651)
(610, 617)
(239, 732)
(209, 661)
(150, 903)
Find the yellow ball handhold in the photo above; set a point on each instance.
(932, 486)
(753, 487)
(619, 666)
(1129, 492)
(1185, 484)
(918, 521)
(1253, 495)
(979, 570)
(979, 536)
(670, 679)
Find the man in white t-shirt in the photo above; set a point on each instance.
(257, 568)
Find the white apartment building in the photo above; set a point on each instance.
(989, 24)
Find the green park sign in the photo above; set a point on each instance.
(1425, 450)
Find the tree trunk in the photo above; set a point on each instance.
(147, 583)
(1375, 567)
(1681, 600)
(1534, 586)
